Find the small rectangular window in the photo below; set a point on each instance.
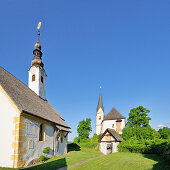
(42, 133)
(99, 117)
(33, 77)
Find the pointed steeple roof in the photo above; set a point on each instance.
(100, 103)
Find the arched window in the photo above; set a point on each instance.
(33, 77)
(99, 117)
(42, 133)
(42, 80)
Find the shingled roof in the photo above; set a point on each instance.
(113, 115)
(113, 133)
(27, 101)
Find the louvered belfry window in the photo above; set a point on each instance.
(33, 77)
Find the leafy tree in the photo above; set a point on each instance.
(164, 132)
(84, 128)
(138, 117)
(139, 133)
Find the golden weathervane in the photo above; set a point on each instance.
(39, 26)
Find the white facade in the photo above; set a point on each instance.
(31, 145)
(38, 84)
(111, 124)
(7, 112)
(99, 119)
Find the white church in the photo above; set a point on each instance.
(28, 122)
(110, 126)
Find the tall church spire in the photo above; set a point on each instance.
(37, 73)
(100, 103)
(99, 114)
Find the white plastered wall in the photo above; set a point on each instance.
(100, 113)
(109, 124)
(37, 86)
(7, 113)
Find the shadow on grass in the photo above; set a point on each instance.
(161, 163)
(73, 147)
(53, 165)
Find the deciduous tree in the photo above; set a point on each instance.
(84, 128)
(138, 117)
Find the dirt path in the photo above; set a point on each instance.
(77, 163)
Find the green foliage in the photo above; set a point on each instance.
(89, 145)
(81, 140)
(138, 117)
(157, 146)
(84, 128)
(140, 133)
(43, 158)
(46, 150)
(95, 138)
(77, 140)
(164, 133)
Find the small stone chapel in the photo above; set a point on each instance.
(28, 122)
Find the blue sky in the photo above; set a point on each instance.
(122, 45)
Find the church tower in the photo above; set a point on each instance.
(37, 75)
(99, 115)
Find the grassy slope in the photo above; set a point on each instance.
(68, 159)
(125, 160)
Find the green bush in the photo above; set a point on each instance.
(46, 150)
(157, 146)
(140, 133)
(89, 145)
(80, 140)
(43, 158)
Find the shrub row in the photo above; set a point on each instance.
(156, 146)
(88, 145)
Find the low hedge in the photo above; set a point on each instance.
(88, 145)
(157, 146)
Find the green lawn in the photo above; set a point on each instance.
(68, 159)
(120, 160)
(125, 160)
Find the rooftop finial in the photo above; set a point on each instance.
(38, 27)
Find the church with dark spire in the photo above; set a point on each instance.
(109, 126)
(113, 119)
